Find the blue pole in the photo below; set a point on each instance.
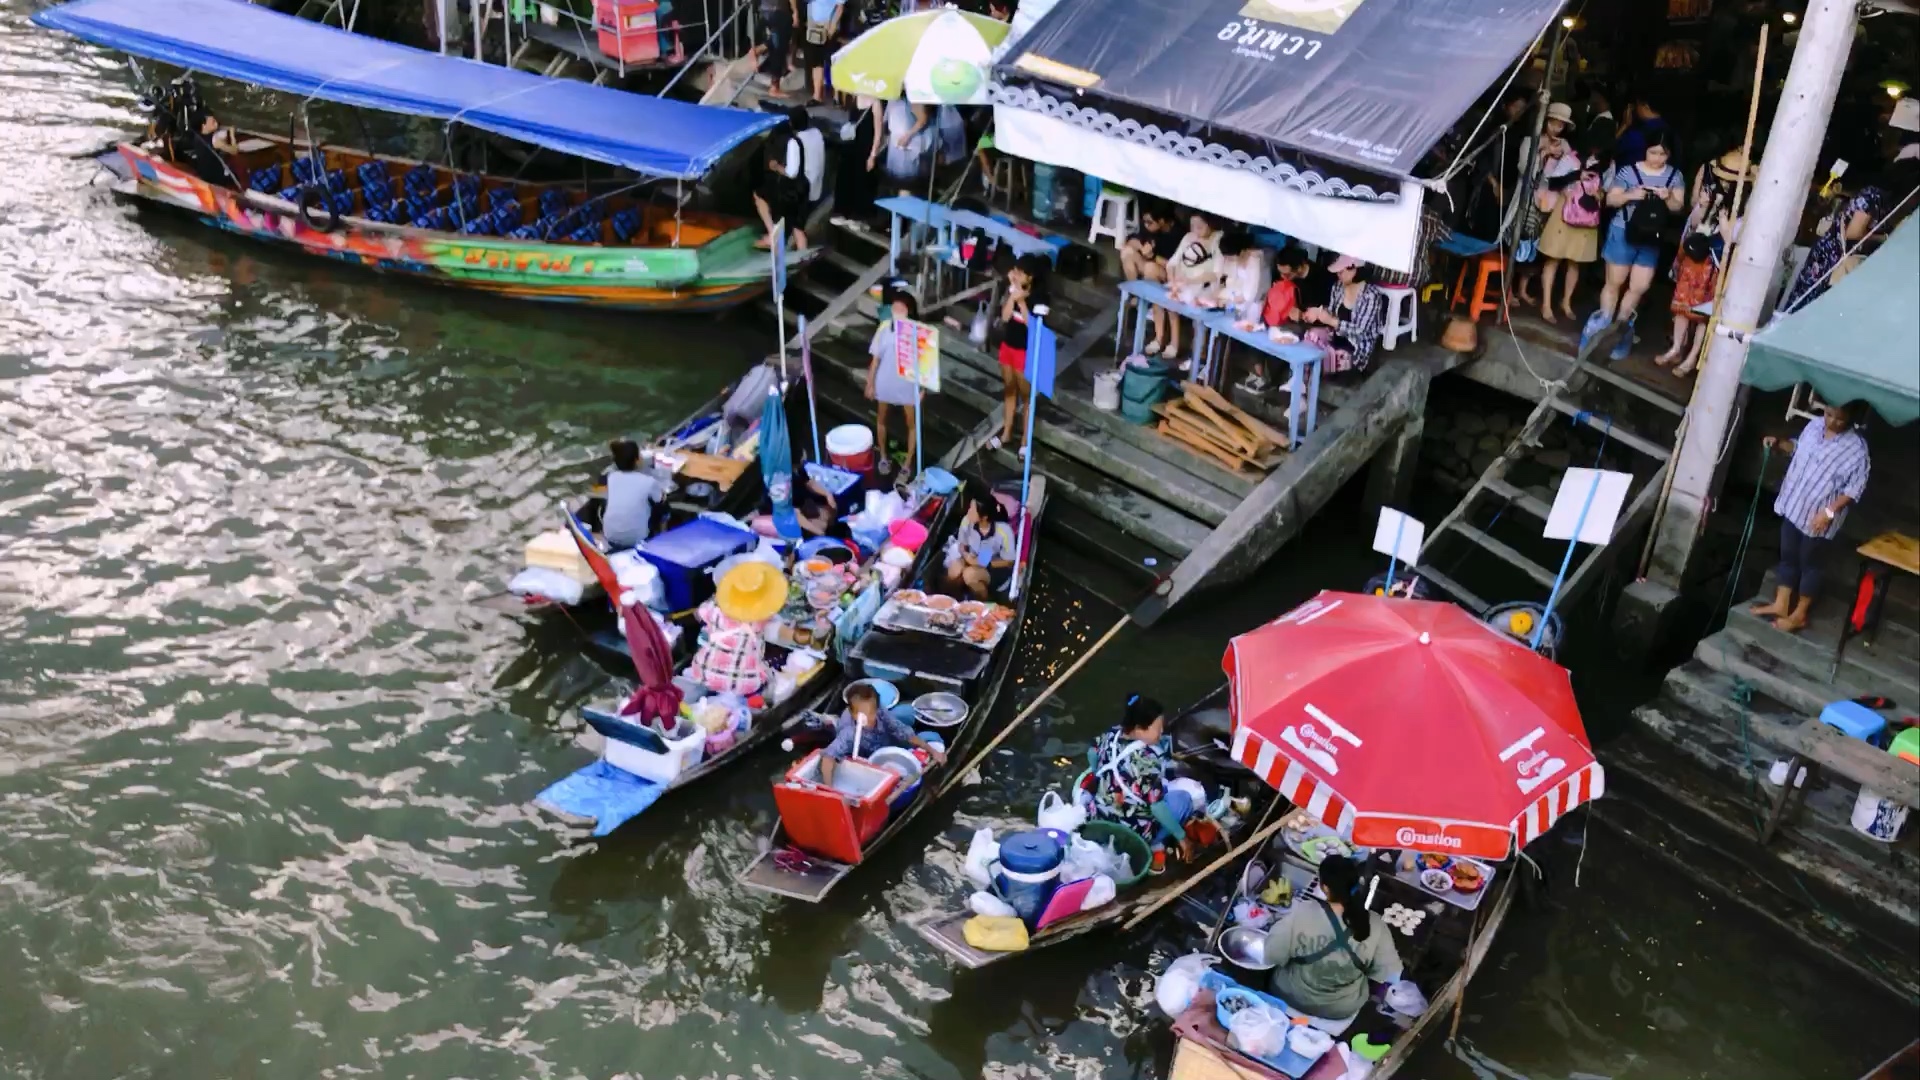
(806, 370)
(1393, 557)
(1026, 469)
(917, 451)
(1553, 595)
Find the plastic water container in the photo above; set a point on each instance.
(1106, 391)
(1028, 872)
(850, 446)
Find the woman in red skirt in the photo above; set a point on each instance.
(1026, 299)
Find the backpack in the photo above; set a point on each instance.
(1650, 222)
(1581, 207)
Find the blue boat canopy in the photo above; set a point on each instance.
(237, 40)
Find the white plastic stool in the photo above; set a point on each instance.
(1403, 316)
(1115, 215)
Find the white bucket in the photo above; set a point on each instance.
(1878, 817)
(850, 439)
(1106, 391)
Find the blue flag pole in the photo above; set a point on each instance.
(1553, 595)
(1040, 340)
(1393, 557)
(806, 372)
(917, 397)
(779, 282)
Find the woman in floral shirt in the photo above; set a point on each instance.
(1126, 781)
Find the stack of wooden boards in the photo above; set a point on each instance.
(1208, 423)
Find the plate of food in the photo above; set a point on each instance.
(1466, 876)
(939, 602)
(1438, 881)
(981, 632)
(1000, 612)
(1431, 861)
(971, 609)
(910, 596)
(1315, 849)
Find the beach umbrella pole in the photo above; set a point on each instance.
(1026, 478)
(806, 372)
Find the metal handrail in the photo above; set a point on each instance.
(687, 65)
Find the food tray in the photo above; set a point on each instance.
(896, 615)
(1465, 901)
(1296, 841)
(1286, 1061)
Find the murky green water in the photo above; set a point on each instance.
(263, 770)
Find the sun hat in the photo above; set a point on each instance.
(751, 592)
(1562, 112)
(1344, 262)
(1732, 165)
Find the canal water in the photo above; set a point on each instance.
(263, 767)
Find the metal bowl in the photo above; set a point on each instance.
(941, 709)
(1245, 947)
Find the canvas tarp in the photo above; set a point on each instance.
(1860, 340)
(236, 40)
(1370, 84)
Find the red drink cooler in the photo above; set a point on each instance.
(629, 30)
(835, 824)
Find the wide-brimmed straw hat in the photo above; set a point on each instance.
(751, 592)
(1733, 165)
(1562, 112)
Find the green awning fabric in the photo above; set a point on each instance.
(1860, 339)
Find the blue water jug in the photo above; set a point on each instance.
(1028, 871)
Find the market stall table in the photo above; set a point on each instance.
(1303, 369)
(1879, 556)
(1154, 294)
(916, 210)
(1018, 242)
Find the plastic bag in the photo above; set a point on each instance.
(547, 584)
(1252, 913)
(1102, 892)
(981, 854)
(991, 906)
(767, 552)
(1258, 1030)
(1084, 859)
(1173, 991)
(995, 934)
(1057, 813)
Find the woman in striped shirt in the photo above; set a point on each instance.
(1828, 474)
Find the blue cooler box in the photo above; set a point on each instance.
(683, 554)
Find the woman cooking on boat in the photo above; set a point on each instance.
(1126, 783)
(1324, 952)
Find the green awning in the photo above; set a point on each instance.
(1860, 339)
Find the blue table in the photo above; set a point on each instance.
(1154, 294)
(1303, 371)
(1020, 243)
(914, 209)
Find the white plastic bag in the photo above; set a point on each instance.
(991, 906)
(981, 854)
(1102, 892)
(1252, 913)
(548, 584)
(1258, 1030)
(1084, 859)
(1173, 991)
(1058, 813)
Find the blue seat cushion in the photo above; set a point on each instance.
(553, 203)
(291, 194)
(303, 170)
(265, 179)
(478, 227)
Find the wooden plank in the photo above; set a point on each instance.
(1617, 434)
(1506, 554)
(946, 931)
(1896, 549)
(1253, 423)
(1453, 588)
(821, 876)
(839, 305)
(1519, 497)
(1200, 414)
(1194, 428)
(1198, 445)
(1863, 763)
(722, 471)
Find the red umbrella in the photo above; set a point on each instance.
(1409, 724)
(656, 698)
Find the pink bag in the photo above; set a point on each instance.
(1581, 208)
(1336, 359)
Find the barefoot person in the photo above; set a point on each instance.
(1828, 474)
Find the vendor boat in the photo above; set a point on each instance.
(560, 242)
(824, 834)
(1193, 730)
(712, 457)
(635, 767)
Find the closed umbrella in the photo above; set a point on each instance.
(1409, 724)
(776, 463)
(656, 698)
(933, 57)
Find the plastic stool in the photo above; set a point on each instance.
(1484, 268)
(1856, 720)
(1403, 316)
(1116, 214)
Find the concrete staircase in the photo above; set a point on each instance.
(1702, 749)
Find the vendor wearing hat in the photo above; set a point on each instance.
(1348, 325)
(1703, 246)
(865, 727)
(732, 653)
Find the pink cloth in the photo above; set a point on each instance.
(657, 698)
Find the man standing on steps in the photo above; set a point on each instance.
(1828, 474)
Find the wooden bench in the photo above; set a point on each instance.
(1817, 745)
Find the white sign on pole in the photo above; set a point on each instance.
(1399, 536)
(1609, 494)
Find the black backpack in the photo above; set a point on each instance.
(1650, 222)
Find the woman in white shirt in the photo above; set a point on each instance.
(1193, 270)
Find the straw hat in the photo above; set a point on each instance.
(1562, 112)
(751, 592)
(1732, 166)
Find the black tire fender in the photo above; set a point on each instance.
(315, 212)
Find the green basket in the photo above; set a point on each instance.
(1129, 843)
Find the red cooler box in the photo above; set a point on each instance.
(834, 824)
(629, 30)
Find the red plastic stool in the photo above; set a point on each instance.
(1484, 268)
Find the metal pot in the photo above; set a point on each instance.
(941, 710)
(1245, 948)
